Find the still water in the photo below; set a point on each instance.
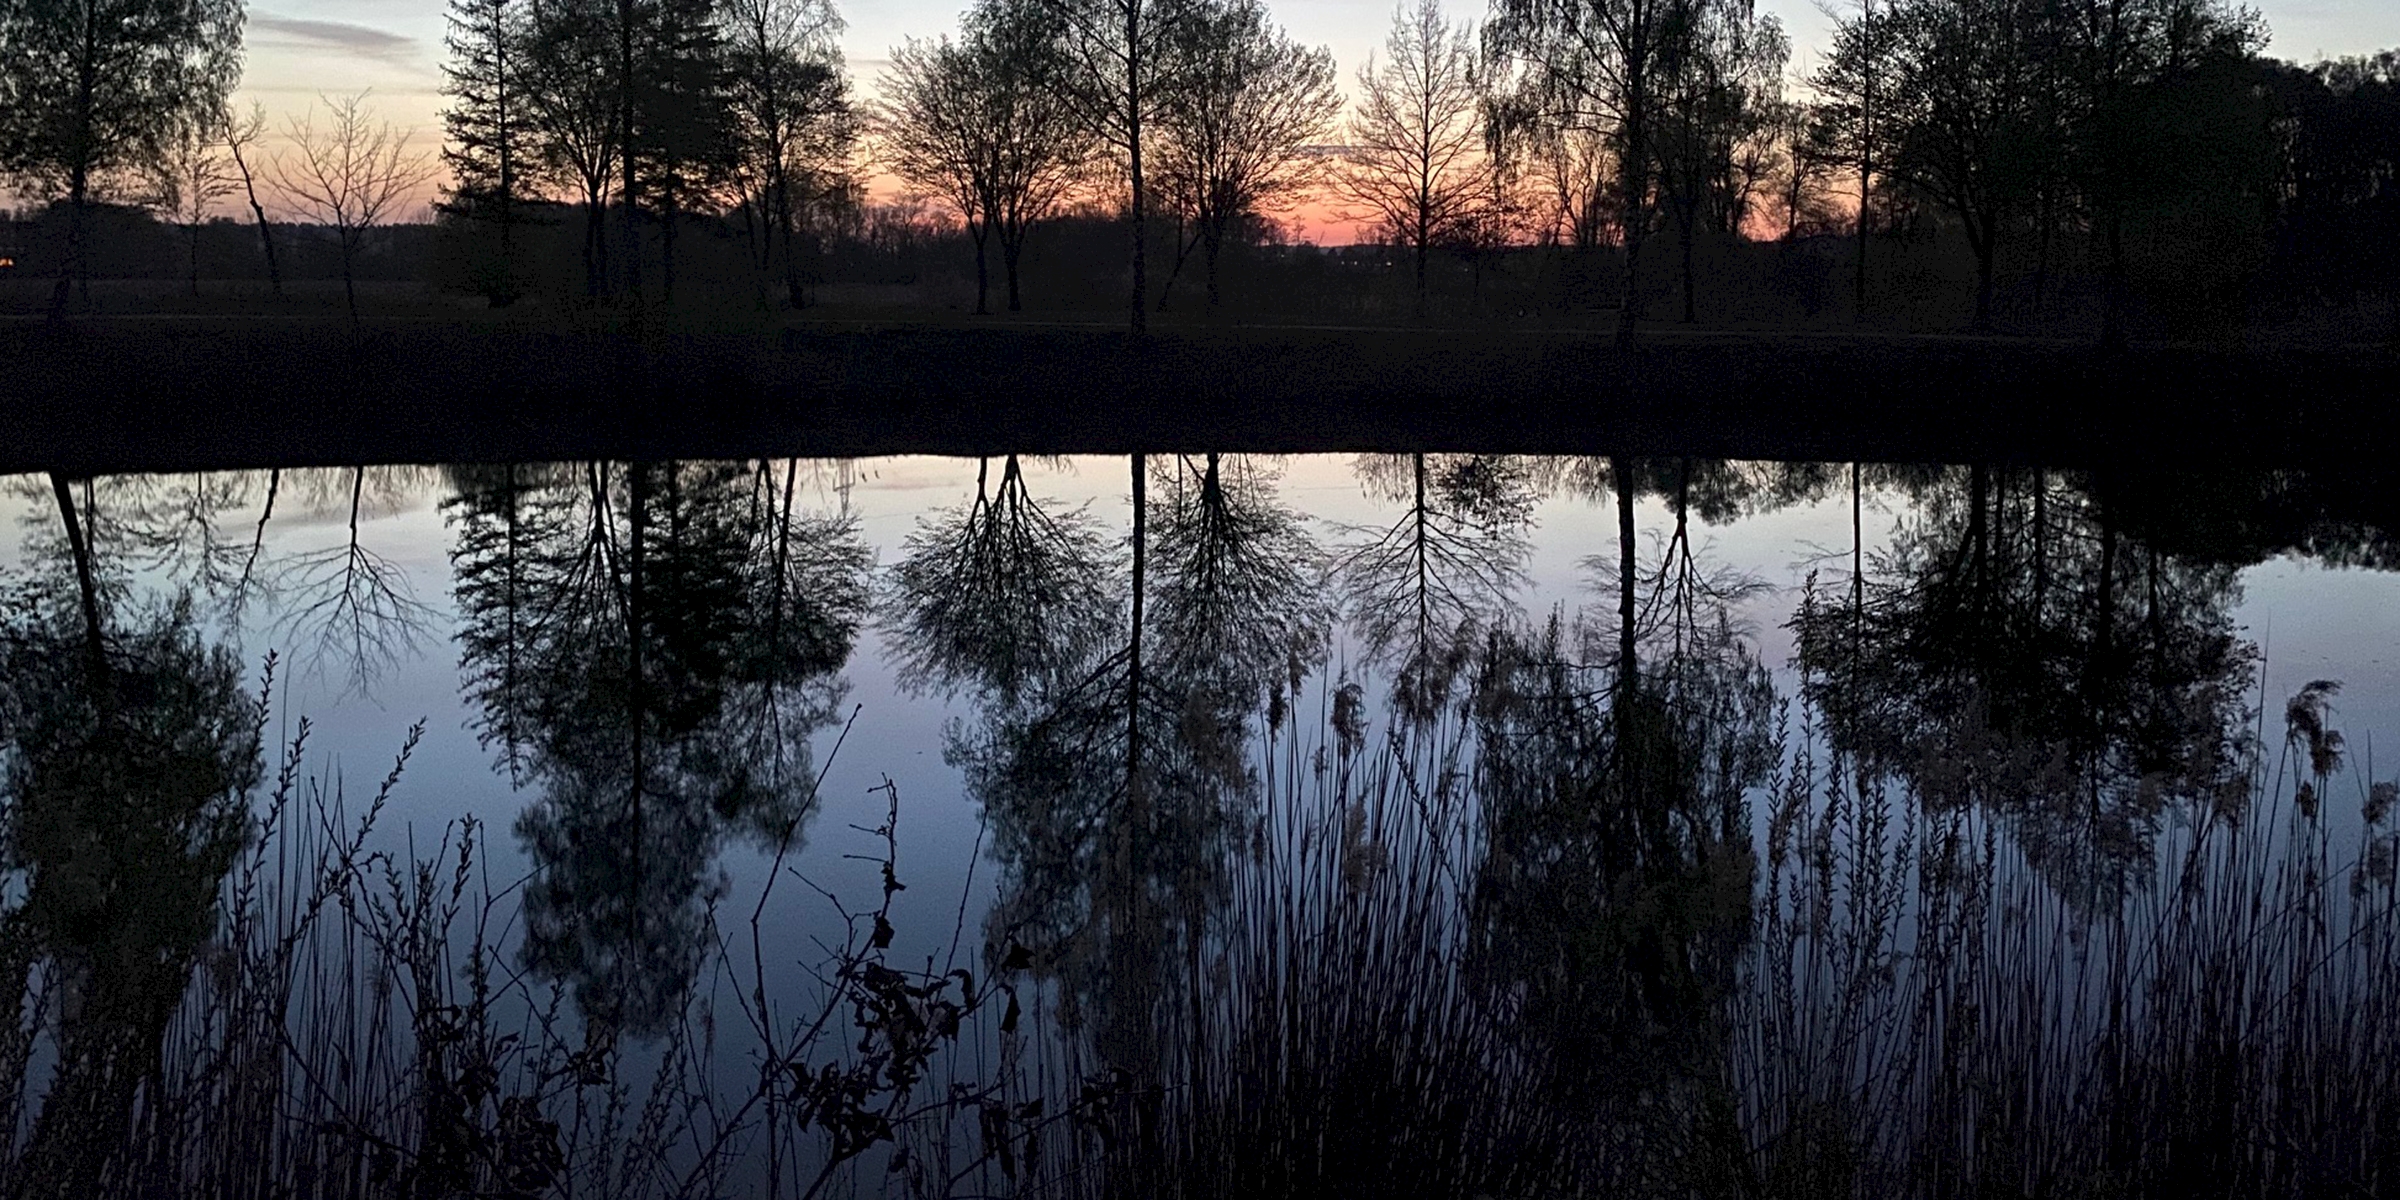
(1094, 702)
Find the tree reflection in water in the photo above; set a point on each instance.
(1495, 926)
(1419, 591)
(1000, 594)
(2014, 648)
(652, 645)
(128, 746)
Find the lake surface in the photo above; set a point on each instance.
(1148, 735)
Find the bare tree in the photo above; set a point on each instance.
(349, 173)
(1236, 136)
(1416, 164)
(999, 594)
(978, 125)
(1570, 166)
(794, 119)
(933, 135)
(241, 133)
(1852, 88)
(1720, 83)
(191, 176)
(353, 606)
(1967, 117)
(1119, 69)
(1598, 65)
(1420, 590)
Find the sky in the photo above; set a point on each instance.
(301, 49)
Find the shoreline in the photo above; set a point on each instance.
(193, 394)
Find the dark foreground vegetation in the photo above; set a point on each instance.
(1585, 906)
(176, 394)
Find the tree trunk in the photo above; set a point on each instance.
(595, 244)
(628, 194)
(1984, 253)
(667, 212)
(2041, 259)
(787, 227)
(1133, 671)
(1634, 181)
(72, 263)
(258, 212)
(1010, 249)
(2112, 310)
(1140, 316)
(983, 273)
(1212, 239)
(1423, 251)
(81, 550)
(350, 276)
(1866, 165)
(1691, 310)
(1628, 668)
(638, 520)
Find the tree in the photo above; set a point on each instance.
(572, 102)
(94, 91)
(129, 778)
(1799, 174)
(1119, 68)
(350, 173)
(241, 133)
(2153, 90)
(1415, 161)
(1723, 82)
(490, 149)
(1963, 114)
(191, 178)
(652, 646)
(1239, 602)
(1597, 65)
(794, 123)
(981, 126)
(1847, 120)
(2339, 223)
(1420, 591)
(685, 140)
(934, 135)
(1939, 668)
(998, 594)
(1235, 137)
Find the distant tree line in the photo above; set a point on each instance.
(2121, 155)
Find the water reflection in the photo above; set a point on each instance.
(2015, 648)
(128, 745)
(1109, 792)
(1418, 591)
(1000, 592)
(1318, 858)
(650, 647)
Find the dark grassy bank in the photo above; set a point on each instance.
(183, 394)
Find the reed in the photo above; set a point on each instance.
(1897, 1002)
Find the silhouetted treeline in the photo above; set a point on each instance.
(128, 243)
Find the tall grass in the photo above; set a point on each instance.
(1907, 1008)
(1915, 1009)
